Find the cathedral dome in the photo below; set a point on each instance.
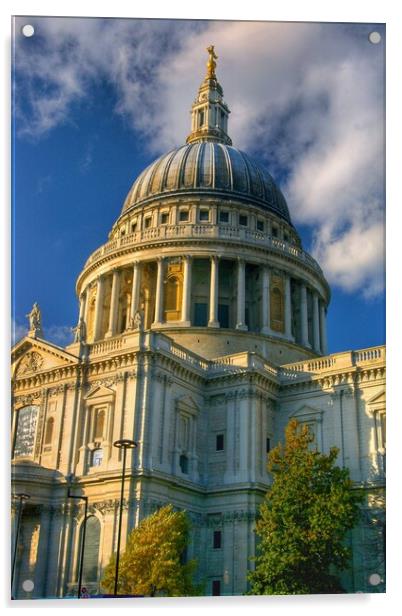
(210, 168)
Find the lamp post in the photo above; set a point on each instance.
(123, 444)
(22, 498)
(84, 528)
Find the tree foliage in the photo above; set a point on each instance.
(304, 519)
(152, 563)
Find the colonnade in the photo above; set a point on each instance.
(317, 316)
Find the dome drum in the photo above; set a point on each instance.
(210, 291)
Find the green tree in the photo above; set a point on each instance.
(303, 520)
(152, 563)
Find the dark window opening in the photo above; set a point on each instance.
(204, 215)
(275, 231)
(220, 442)
(184, 464)
(223, 315)
(286, 237)
(216, 588)
(260, 225)
(164, 218)
(243, 220)
(133, 227)
(223, 216)
(217, 539)
(147, 223)
(268, 445)
(200, 315)
(183, 216)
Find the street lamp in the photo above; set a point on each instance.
(84, 528)
(123, 444)
(22, 498)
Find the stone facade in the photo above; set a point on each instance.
(201, 332)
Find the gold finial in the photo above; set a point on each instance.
(211, 64)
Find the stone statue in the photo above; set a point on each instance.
(211, 64)
(139, 320)
(35, 322)
(80, 331)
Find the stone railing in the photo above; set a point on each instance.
(335, 361)
(199, 231)
(106, 346)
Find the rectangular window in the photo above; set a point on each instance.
(216, 588)
(200, 315)
(223, 216)
(274, 231)
(147, 222)
(268, 445)
(223, 315)
(260, 225)
(183, 215)
(217, 539)
(243, 220)
(286, 237)
(220, 442)
(164, 218)
(204, 215)
(133, 227)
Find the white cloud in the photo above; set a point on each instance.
(307, 98)
(60, 335)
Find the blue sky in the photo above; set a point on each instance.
(97, 100)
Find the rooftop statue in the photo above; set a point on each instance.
(35, 322)
(211, 64)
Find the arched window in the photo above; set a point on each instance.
(49, 431)
(91, 551)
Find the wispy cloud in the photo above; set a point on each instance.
(59, 334)
(305, 98)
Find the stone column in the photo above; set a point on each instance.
(303, 315)
(159, 293)
(83, 304)
(323, 329)
(135, 290)
(241, 295)
(99, 307)
(266, 329)
(114, 305)
(213, 293)
(288, 309)
(316, 324)
(186, 301)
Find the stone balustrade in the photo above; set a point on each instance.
(336, 361)
(200, 231)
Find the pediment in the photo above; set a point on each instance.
(307, 412)
(33, 355)
(100, 393)
(187, 402)
(378, 399)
